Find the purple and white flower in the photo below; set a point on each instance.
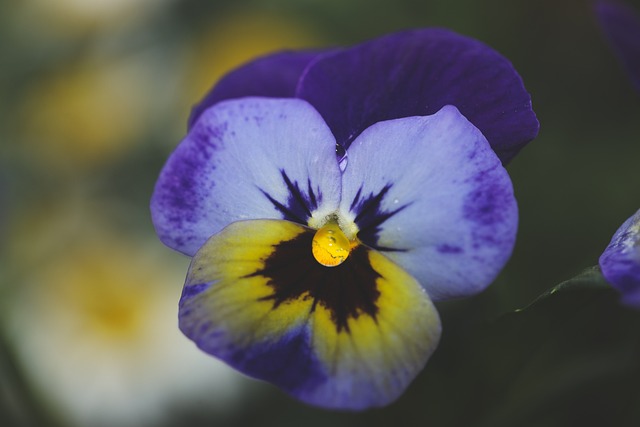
(328, 197)
(620, 262)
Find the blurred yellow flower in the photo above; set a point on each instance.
(87, 113)
(95, 329)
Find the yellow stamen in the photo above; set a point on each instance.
(330, 247)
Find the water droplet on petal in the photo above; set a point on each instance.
(330, 247)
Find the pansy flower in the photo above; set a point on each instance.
(327, 198)
(620, 262)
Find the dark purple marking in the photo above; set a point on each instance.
(370, 216)
(209, 134)
(449, 249)
(490, 205)
(347, 290)
(485, 205)
(177, 190)
(289, 363)
(193, 290)
(300, 204)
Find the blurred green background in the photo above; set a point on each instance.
(95, 94)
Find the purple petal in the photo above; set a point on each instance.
(274, 76)
(437, 201)
(416, 73)
(249, 158)
(620, 262)
(621, 24)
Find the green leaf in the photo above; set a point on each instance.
(584, 285)
(571, 357)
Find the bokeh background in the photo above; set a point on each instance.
(94, 95)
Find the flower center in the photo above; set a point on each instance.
(330, 246)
